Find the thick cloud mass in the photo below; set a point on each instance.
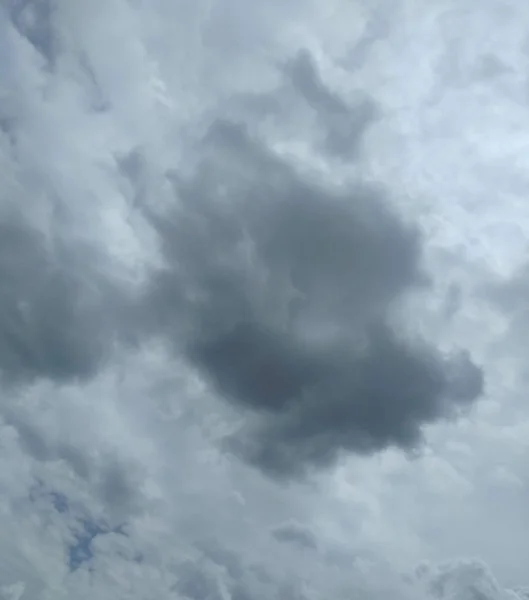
(60, 316)
(42, 332)
(279, 289)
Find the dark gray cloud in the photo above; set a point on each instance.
(59, 316)
(280, 290)
(41, 332)
(362, 403)
(295, 533)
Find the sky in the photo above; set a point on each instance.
(264, 277)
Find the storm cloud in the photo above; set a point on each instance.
(279, 289)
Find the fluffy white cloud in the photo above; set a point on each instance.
(262, 290)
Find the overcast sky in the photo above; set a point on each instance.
(264, 278)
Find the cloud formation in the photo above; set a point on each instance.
(238, 245)
(58, 313)
(344, 124)
(279, 289)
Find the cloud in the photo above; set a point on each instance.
(34, 20)
(509, 295)
(202, 261)
(60, 316)
(280, 289)
(295, 533)
(464, 579)
(344, 124)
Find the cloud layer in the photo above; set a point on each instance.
(258, 311)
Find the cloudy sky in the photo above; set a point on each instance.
(264, 278)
